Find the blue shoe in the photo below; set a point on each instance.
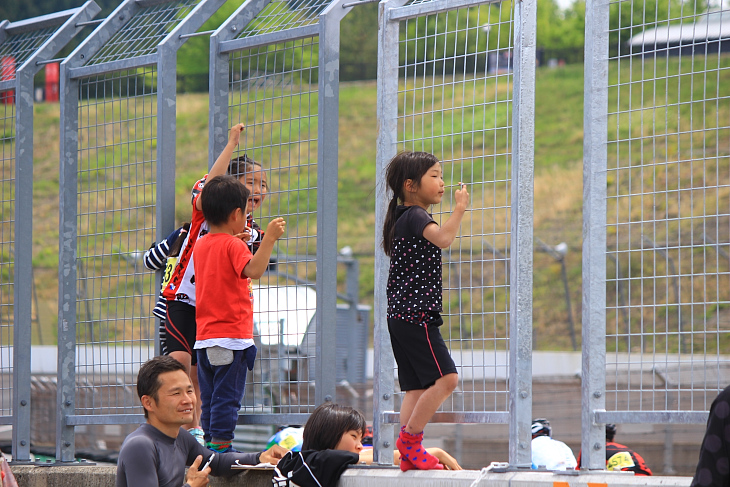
(198, 434)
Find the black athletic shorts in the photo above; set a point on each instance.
(180, 329)
(421, 354)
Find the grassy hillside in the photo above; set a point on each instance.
(558, 173)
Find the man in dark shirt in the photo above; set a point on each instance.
(156, 454)
(713, 468)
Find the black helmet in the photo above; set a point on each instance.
(541, 427)
(610, 431)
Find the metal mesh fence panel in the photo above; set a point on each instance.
(18, 48)
(274, 91)
(7, 241)
(118, 91)
(279, 75)
(668, 223)
(142, 34)
(280, 16)
(455, 101)
(25, 46)
(116, 221)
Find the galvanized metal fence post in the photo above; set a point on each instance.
(384, 363)
(67, 231)
(593, 373)
(23, 262)
(327, 168)
(523, 168)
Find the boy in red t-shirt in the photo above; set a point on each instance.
(224, 267)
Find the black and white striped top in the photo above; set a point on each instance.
(155, 259)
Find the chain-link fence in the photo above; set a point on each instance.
(457, 80)
(656, 254)
(25, 47)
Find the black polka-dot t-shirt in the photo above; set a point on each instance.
(414, 280)
(713, 469)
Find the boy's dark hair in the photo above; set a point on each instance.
(221, 196)
(404, 166)
(241, 165)
(148, 382)
(327, 424)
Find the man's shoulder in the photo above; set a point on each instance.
(138, 443)
(140, 436)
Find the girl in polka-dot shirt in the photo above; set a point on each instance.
(413, 241)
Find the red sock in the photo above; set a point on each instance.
(413, 454)
(405, 464)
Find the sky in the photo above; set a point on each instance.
(564, 3)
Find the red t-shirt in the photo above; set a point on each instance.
(224, 307)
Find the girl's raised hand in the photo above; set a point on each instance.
(462, 196)
(276, 228)
(235, 134)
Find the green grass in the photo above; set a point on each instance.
(657, 134)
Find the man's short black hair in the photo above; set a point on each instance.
(221, 196)
(148, 378)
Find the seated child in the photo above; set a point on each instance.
(342, 428)
(224, 267)
(331, 430)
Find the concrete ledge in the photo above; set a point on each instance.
(105, 476)
(391, 477)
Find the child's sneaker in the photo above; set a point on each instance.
(198, 434)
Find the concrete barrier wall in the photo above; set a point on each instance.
(105, 476)
(466, 478)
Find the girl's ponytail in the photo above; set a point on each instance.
(389, 226)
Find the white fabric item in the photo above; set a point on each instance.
(554, 454)
(229, 343)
